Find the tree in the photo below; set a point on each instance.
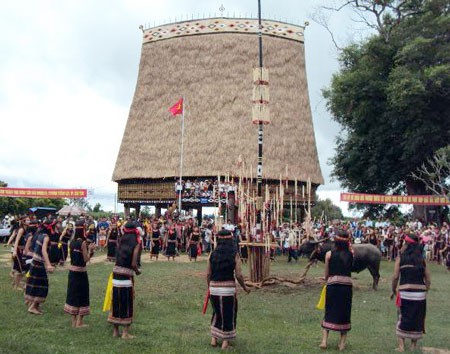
(435, 173)
(392, 98)
(326, 209)
(97, 208)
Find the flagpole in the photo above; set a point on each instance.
(181, 157)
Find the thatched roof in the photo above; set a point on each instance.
(214, 74)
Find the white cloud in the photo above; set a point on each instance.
(67, 76)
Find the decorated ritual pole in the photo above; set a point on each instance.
(259, 256)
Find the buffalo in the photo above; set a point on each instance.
(365, 256)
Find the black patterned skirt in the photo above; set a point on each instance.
(77, 299)
(171, 250)
(193, 249)
(121, 312)
(63, 252)
(411, 318)
(155, 247)
(338, 307)
(112, 247)
(19, 262)
(37, 283)
(53, 253)
(225, 306)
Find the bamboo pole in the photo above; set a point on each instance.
(296, 200)
(290, 221)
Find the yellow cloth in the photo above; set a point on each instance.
(323, 294)
(27, 275)
(59, 244)
(108, 294)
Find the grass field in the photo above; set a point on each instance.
(168, 319)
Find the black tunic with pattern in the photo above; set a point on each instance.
(339, 293)
(123, 282)
(413, 303)
(156, 239)
(19, 260)
(77, 299)
(63, 251)
(112, 244)
(54, 253)
(193, 247)
(171, 242)
(37, 280)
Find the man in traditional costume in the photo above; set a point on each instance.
(339, 290)
(224, 268)
(410, 268)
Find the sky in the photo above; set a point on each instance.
(68, 71)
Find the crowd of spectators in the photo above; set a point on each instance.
(204, 188)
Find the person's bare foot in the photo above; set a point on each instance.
(34, 311)
(225, 345)
(323, 346)
(341, 347)
(81, 325)
(127, 336)
(213, 342)
(413, 345)
(400, 350)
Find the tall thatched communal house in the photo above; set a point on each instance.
(210, 62)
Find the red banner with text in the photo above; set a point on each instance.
(43, 193)
(393, 199)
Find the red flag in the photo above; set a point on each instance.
(177, 108)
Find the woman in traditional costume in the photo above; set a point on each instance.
(64, 240)
(121, 313)
(18, 253)
(77, 299)
(171, 242)
(194, 239)
(91, 233)
(111, 241)
(224, 268)
(410, 268)
(54, 252)
(339, 290)
(155, 241)
(36, 290)
(30, 242)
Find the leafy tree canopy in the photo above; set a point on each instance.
(326, 209)
(392, 99)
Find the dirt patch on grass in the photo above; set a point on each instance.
(290, 288)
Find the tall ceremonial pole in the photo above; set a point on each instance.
(259, 246)
(260, 140)
(181, 156)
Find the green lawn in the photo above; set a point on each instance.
(168, 319)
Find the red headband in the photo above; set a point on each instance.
(345, 239)
(131, 231)
(410, 240)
